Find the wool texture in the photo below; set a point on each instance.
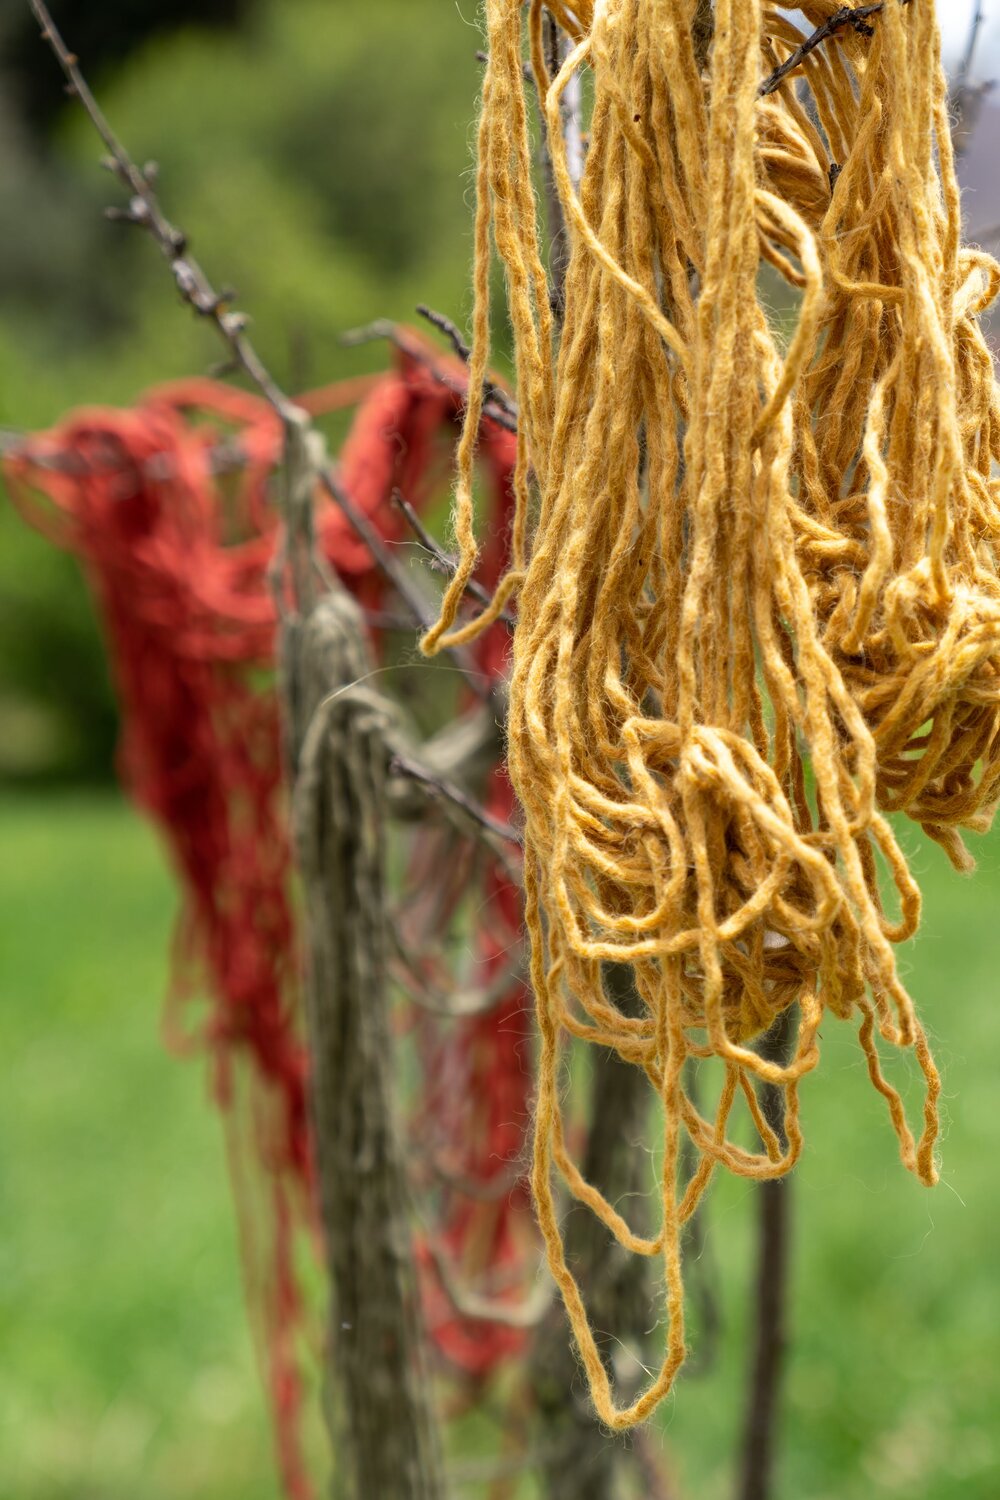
(169, 507)
(754, 557)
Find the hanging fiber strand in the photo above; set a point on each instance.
(168, 506)
(755, 560)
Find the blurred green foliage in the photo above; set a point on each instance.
(127, 1368)
(120, 1306)
(104, 34)
(319, 158)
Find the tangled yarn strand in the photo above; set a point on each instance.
(757, 565)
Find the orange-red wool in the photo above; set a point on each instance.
(167, 506)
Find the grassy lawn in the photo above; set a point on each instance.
(127, 1369)
(126, 1366)
(893, 1385)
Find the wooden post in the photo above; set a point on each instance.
(774, 1202)
(580, 1460)
(384, 1428)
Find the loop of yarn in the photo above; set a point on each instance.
(759, 605)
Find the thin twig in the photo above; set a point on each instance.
(339, 800)
(491, 391)
(144, 211)
(442, 561)
(381, 555)
(197, 290)
(965, 97)
(856, 16)
(447, 791)
(504, 416)
(451, 331)
(617, 1289)
(397, 576)
(228, 457)
(965, 67)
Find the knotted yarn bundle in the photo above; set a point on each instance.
(755, 555)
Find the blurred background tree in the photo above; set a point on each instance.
(319, 153)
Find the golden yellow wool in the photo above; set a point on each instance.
(759, 604)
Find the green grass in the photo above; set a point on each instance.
(126, 1368)
(893, 1383)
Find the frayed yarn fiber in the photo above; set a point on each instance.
(754, 557)
(169, 505)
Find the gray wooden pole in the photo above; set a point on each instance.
(580, 1459)
(384, 1427)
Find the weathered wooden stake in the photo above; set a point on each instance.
(580, 1459)
(385, 1430)
(774, 1204)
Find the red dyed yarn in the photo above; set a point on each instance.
(177, 555)
(478, 1073)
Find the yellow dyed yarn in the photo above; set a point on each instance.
(759, 603)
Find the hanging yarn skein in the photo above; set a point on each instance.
(169, 507)
(756, 559)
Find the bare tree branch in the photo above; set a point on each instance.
(856, 16)
(968, 56)
(339, 755)
(451, 331)
(965, 97)
(504, 415)
(443, 562)
(472, 815)
(587, 1462)
(387, 565)
(491, 391)
(144, 211)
